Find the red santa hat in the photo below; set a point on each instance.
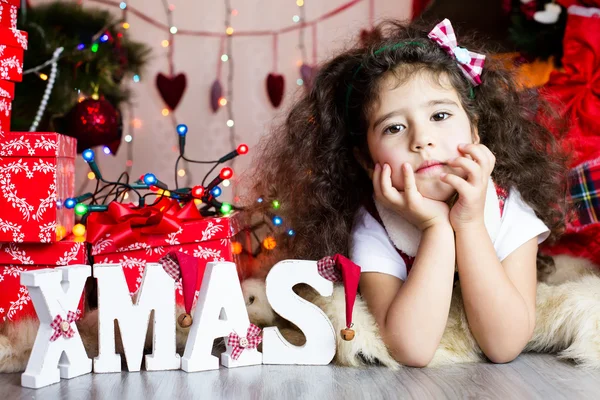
(340, 269)
(180, 265)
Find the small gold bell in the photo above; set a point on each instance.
(185, 320)
(347, 334)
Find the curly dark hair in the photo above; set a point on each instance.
(308, 163)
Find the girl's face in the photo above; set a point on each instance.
(420, 122)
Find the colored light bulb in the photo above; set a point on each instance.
(277, 221)
(226, 173)
(226, 208)
(88, 155)
(198, 191)
(216, 192)
(269, 243)
(182, 129)
(276, 204)
(79, 230)
(150, 179)
(242, 149)
(291, 232)
(70, 203)
(81, 209)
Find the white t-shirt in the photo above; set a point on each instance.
(373, 251)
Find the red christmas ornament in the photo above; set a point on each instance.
(171, 89)
(94, 123)
(275, 86)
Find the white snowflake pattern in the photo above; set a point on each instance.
(15, 144)
(210, 231)
(9, 189)
(172, 237)
(46, 204)
(46, 144)
(5, 106)
(208, 254)
(46, 231)
(70, 255)
(18, 304)
(7, 226)
(13, 16)
(13, 271)
(179, 287)
(44, 167)
(101, 245)
(132, 262)
(17, 254)
(21, 39)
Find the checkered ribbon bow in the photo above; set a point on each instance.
(251, 341)
(470, 63)
(63, 327)
(171, 267)
(327, 268)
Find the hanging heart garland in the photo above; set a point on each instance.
(275, 81)
(275, 87)
(216, 92)
(171, 88)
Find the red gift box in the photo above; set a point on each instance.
(15, 258)
(37, 173)
(208, 239)
(8, 14)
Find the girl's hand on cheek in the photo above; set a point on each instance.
(409, 203)
(478, 163)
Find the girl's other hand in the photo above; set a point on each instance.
(478, 163)
(409, 203)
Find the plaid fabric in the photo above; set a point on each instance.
(584, 185)
(502, 194)
(63, 327)
(250, 341)
(170, 265)
(328, 269)
(470, 63)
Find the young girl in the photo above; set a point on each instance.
(416, 156)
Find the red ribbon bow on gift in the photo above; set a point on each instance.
(470, 63)
(63, 327)
(251, 341)
(126, 224)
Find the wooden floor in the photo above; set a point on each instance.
(531, 376)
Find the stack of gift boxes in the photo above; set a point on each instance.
(37, 174)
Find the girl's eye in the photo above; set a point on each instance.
(440, 116)
(393, 129)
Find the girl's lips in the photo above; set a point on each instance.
(430, 169)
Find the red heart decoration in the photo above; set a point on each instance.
(275, 86)
(171, 89)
